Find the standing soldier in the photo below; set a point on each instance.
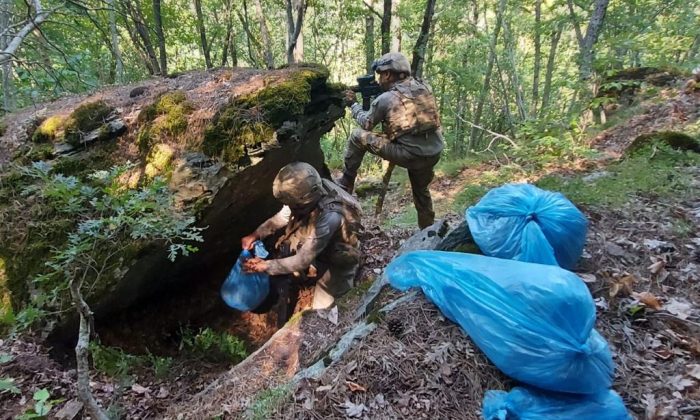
(411, 136)
(321, 223)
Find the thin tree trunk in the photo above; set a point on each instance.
(422, 41)
(228, 36)
(475, 133)
(694, 49)
(267, 42)
(114, 38)
(249, 38)
(386, 27)
(157, 17)
(513, 75)
(138, 45)
(587, 42)
(142, 31)
(295, 41)
(369, 41)
(556, 35)
(8, 104)
(29, 25)
(395, 26)
(82, 352)
(202, 33)
(538, 57)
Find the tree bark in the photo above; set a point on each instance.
(114, 41)
(8, 104)
(202, 34)
(395, 26)
(267, 42)
(386, 27)
(556, 35)
(157, 17)
(475, 133)
(249, 38)
(295, 46)
(422, 41)
(230, 40)
(369, 42)
(142, 31)
(82, 351)
(513, 74)
(32, 22)
(538, 58)
(587, 42)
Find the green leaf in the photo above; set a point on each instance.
(8, 385)
(4, 358)
(42, 395)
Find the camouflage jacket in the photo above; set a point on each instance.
(408, 114)
(328, 233)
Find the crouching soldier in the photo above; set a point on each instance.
(321, 223)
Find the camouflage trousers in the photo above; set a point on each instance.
(420, 168)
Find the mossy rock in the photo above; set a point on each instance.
(167, 115)
(48, 130)
(84, 119)
(673, 139)
(159, 160)
(253, 119)
(647, 74)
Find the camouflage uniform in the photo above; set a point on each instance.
(410, 138)
(322, 233)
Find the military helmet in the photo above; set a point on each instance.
(393, 61)
(298, 185)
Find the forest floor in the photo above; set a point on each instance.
(641, 263)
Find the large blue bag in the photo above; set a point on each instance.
(246, 291)
(522, 222)
(533, 321)
(531, 404)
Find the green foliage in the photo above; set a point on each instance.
(657, 173)
(267, 401)
(8, 385)
(42, 406)
(113, 361)
(85, 118)
(161, 365)
(215, 346)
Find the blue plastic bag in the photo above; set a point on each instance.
(530, 404)
(246, 291)
(522, 222)
(533, 321)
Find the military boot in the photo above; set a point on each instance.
(346, 182)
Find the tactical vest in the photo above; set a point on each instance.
(344, 247)
(416, 112)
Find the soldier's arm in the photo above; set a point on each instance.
(278, 221)
(326, 226)
(376, 113)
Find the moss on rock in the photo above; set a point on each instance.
(676, 140)
(85, 118)
(166, 116)
(253, 119)
(48, 130)
(159, 160)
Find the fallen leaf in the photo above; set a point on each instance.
(656, 267)
(648, 299)
(588, 278)
(70, 410)
(623, 286)
(445, 370)
(602, 303)
(663, 354)
(352, 409)
(139, 389)
(663, 246)
(678, 308)
(694, 371)
(614, 250)
(324, 388)
(354, 387)
(162, 393)
(680, 383)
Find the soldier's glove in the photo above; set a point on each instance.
(350, 98)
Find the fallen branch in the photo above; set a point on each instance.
(492, 133)
(385, 187)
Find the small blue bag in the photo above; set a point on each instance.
(530, 404)
(522, 222)
(533, 321)
(246, 291)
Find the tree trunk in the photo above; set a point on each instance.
(142, 31)
(114, 41)
(556, 35)
(475, 133)
(267, 42)
(30, 24)
(82, 352)
(161, 38)
(202, 33)
(8, 104)
(228, 38)
(395, 26)
(249, 37)
(694, 48)
(295, 41)
(422, 41)
(369, 41)
(513, 74)
(386, 27)
(538, 58)
(587, 42)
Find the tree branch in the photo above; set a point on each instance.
(32, 22)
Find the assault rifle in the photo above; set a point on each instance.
(368, 87)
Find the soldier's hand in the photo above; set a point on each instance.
(350, 97)
(247, 242)
(255, 265)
